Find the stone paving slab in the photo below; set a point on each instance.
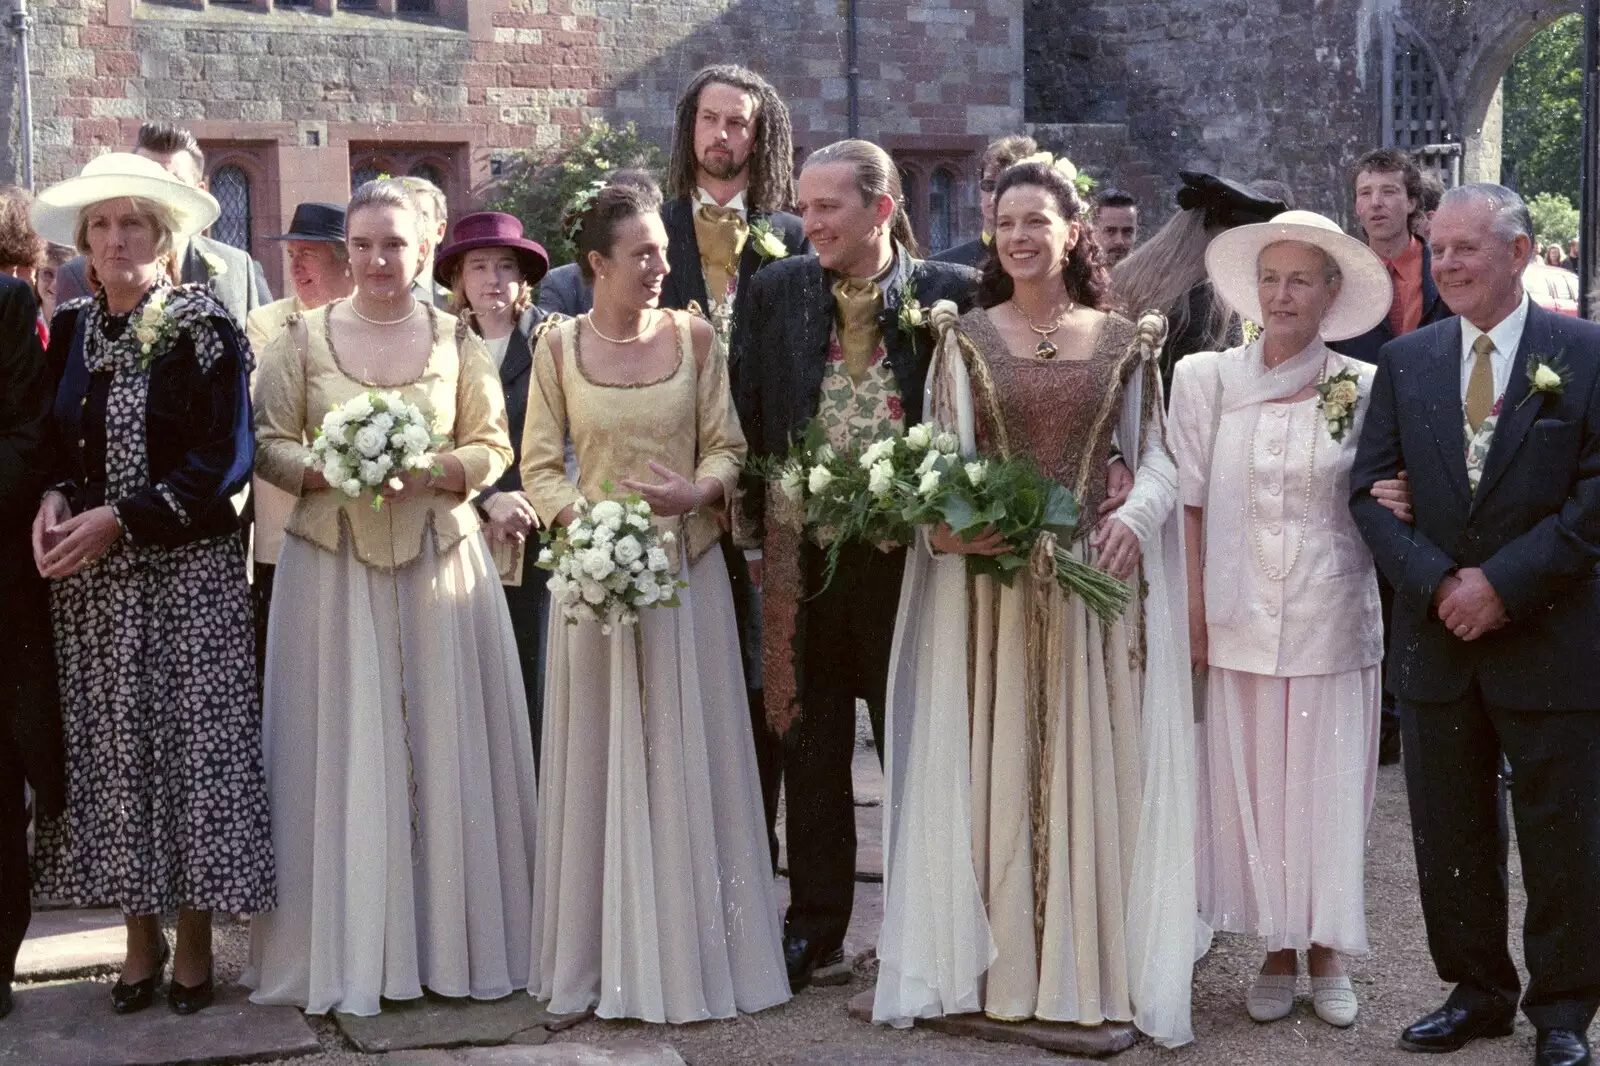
(447, 1023)
(1097, 1042)
(71, 943)
(924, 1054)
(630, 1053)
(73, 1025)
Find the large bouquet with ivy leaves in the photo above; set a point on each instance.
(367, 442)
(609, 562)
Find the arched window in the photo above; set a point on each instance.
(363, 174)
(231, 186)
(428, 172)
(941, 209)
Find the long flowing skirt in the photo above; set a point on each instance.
(653, 897)
(401, 775)
(1056, 796)
(1287, 771)
(166, 804)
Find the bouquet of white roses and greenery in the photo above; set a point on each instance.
(366, 443)
(850, 497)
(1012, 497)
(608, 563)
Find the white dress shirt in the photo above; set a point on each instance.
(1505, 336)
(736, 204)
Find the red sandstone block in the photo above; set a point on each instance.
(73, 107)
(119, 64)
(104, 37)
(93, 130)
(565, 116)
(532, 76)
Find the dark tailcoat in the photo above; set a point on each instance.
(1528, 690)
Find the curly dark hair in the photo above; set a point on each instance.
(771, 163)
(20, 246)
(627, 194)
(1083, 274)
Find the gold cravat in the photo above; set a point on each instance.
(721, 234)
(856, 305)
(1480, 383)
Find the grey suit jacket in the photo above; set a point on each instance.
(241, 288)
(563, 291)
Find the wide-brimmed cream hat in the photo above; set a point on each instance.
(110, 177)
(1364, 295)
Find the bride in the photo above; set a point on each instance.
(1039, 828)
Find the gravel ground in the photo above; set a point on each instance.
(1396, 983)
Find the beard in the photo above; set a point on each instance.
(722, 166)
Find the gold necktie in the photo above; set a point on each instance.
(856, 306)
(721, 234)
(1480, 383)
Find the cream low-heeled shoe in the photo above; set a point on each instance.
(1272, 996)
(1334, 1000)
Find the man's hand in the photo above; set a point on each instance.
(1119, 482)
(1471, 607)
(1395, 494)
(511, 517)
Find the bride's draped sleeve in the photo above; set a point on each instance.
(1164, 932)
(935, 942)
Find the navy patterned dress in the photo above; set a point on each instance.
(166, 798)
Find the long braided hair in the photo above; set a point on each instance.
(771, 163)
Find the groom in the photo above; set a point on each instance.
(1495, 624)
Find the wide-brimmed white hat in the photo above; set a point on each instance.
(110, 177)
(1364, 295)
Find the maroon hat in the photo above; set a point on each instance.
(491, 229)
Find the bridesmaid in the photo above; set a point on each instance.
(654, 891)
(491, 271)
(398, 760)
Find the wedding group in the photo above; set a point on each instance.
(461, 621)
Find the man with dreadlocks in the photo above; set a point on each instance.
(732, 171)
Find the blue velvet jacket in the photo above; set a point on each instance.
(199, 436)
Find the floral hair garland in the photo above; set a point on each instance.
(1080, 182)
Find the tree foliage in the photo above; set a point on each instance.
(1544, 112)
(537, 186)
(1555, 220)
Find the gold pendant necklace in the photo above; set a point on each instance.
(1044, 349)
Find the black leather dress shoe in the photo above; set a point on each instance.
(802, 957)
(131, 999)
(187, 999)
(5, 1000)
(1389, 740)
(1453, 1028)
(1561, 1047)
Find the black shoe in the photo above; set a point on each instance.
(803, 958)
(5, 1000)
(131, 999)
(1561, 1047)
(187, 999)
(1389, 741)
(1452, 1028)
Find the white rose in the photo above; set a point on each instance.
(668, 537)
(371, 472)
(609, 513)
(579, 537)
(880, 478)
(627, 550)
(792, 484)
(821, 478)
(930, 482)
(638, 521)
(928, 462)
(946, 443)
(383, 423)
(358, 408)
(656, 559)
(977, 471)
(546, 556)
(913, 315)
(919, 437)
(351, 487)
(417, 439)
(597, 563)
(645, 592)
(334, 472)
(593, 591)
(771, 245)
(369, 442)
(1545, 378)
(214, 264)
(602, 535)
(825, 454)
(875, 452)
(558, 587)
(332, 423)
(396, 484)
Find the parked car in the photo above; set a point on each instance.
(1552, 288)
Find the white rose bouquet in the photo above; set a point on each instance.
(366, 443)
(608, 563)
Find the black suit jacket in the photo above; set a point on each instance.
(1369, 346)
(780, 358)
(686, 283)
(516, 377)
(564, 291)
(1533, 526)
(29, 713)
(968, 254)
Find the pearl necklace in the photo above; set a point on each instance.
(354, 310)
(1272, 572)
(649, 324)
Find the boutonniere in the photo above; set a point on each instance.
(768, 242)
(153, 328)
(913, 316)
(1250, 330)
(1336, 399)
(1545, 376)
(215, 266)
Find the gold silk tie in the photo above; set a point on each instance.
(1480, 383)
(856, 305)
(721, 234)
